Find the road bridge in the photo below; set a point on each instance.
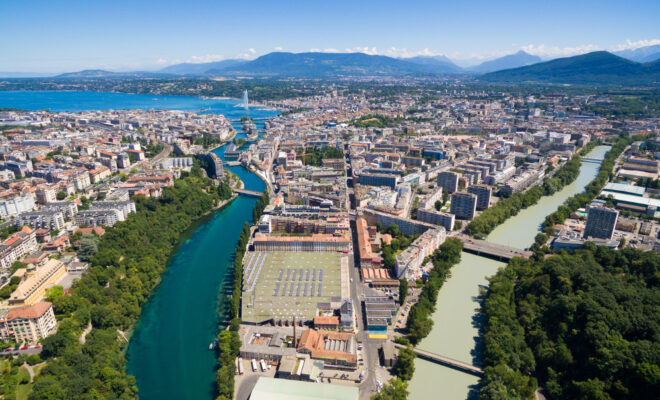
(592, 160)
(446, 361)
(493, 250)
(246, 192)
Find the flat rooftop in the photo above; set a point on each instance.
(281, 285)
(285, 389)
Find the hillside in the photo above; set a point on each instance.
(103, 74)
(201, 68)
(311, 65)
(442, 63)
(600, 67)
(642, 54)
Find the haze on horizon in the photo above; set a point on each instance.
(44, 36)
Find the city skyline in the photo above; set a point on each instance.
(125, 36)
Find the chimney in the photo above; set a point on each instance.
(294, 333)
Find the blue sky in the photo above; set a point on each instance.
(64, 35)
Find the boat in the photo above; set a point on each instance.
(213, 344)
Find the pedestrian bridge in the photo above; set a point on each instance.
(446, 361)
(592, 160)
(246, 192)
(493, 250)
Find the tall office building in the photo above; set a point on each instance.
(448, 181)
(463, 205)
(483, 193)
(601, 222)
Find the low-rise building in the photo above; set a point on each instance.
(33, 288)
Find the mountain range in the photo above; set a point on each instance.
(593, 68)
(599, 67)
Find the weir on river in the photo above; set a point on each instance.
(456, 320)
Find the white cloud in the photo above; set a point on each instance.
(205, 58)
(161, 61)
(556, 51)
(630, 45)
(278, 48)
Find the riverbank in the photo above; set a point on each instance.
(457, 319)
(128, 265)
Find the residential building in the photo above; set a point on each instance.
(27, 324)
(464, 205)
(51, 220)
(409, 262)
(432, 216)
(483, 193)
(103, 217)
(17, 246)
(448, 181)
(17, 204)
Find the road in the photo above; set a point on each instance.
(167, 149)
(28, 352)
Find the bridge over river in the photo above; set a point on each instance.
(493, 250)
(245, 192)
(449, 362)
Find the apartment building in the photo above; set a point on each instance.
(464, 205)
(27, 324)
(434, 217)
(16, 204)
(409, 262)
(104, 217)
(51, 220)
(483, 193)
(17, 246)
(448, 181)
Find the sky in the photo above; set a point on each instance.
(71, 35)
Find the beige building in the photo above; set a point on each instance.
(34, 287)
(27, 324)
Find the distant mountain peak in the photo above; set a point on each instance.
(518, 59)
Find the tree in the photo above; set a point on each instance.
(405, 364)
(88, 247)
(438, 205)
(395, 389)
(60, 195)
(403, 290)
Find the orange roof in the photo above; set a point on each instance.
(326, 320)
(29, 312)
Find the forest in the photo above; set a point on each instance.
(582, 325)
(131, 257)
